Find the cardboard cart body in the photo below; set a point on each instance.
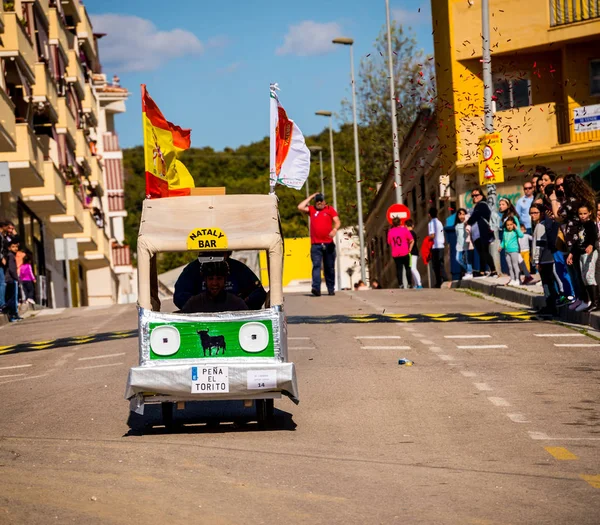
(222, 356)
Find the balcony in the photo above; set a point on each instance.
(96, 174)
(568, 131)
(100, 257)
(121, 255)
(2, 17)
(110, 142)
(44, 92)
(66, 121)
(51, 199)
(72, 220)
(26, 164)
(90, 106)
(116, 202)
(16, 44)
(58, 33)
(564, 12)
(8, 134)
(75, 74)
(85, 34)
(86, 240)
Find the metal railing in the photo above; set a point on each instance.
(121, 255)
(111, 142)
(570, 11)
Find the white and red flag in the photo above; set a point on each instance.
(289, 156)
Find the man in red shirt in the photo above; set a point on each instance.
(324, 224)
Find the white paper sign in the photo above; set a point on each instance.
(210, 379)
(72, 252)
(586, 118)
(261, 379)
(4, 177)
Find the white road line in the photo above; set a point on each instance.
(467, 373)
(50, 311)
(426, 342)
(377, 337)
(16, 366)
(386, 347)
(298, 338)
(22, 379)
(483, 386)
(97, 366)
(12, 375)
(517, 418)
(467, 336)
(577, 345)
(470, 347)
(498, 401)
(301, 348)
(100, 356)
(409, 328)
(445, 357)
(559, 335)
(542, 436)
(538, 435)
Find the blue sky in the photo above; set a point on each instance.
(208, 65)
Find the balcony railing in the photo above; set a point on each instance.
(570, 11)
(116, 202)
(58, 33)
(111, 142)
(121, 255)
(8, 132)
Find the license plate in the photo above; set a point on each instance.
(210, 379)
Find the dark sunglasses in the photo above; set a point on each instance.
(527, 187)
(475, 195)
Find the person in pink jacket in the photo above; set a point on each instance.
(401, 241)
(27, 279)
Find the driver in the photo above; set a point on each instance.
(241, 281)
(215, 298)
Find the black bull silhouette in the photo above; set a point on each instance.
(210, 342)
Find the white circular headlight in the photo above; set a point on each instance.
(254, 337)
(165, 340)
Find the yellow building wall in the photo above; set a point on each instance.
(296, 261)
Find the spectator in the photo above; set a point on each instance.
(585, 247)
(324, 224)
(414, 255)
(360, 285)
(510, 245)
(481, 233)
(435, 230)
(375, 284)
(547, 178)
(523, 205)
(27, 279)
(3, 256)
(509, 212)
(401, 243)
(464, 245)
(525, 244)
(598, 244)
(12, 283)
(542, 255)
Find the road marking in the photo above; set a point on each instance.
(377, 337)
(560, 453)
(97, 366)
(467, 336)
(386, 347)
(426, 342)
(298, 338)
(445, 357)
(577, 345)
(594, 481)
(466, 373)
(51, 311)
(559, 335)
(499, 401)
(22, 379)
(470, 347)
(100, 356)
(483, 386)
(538, 435)
(301, 348)
(517, 418)
(12, 375)
(16, 366)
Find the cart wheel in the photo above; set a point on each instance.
(261, 411)
(167, 414)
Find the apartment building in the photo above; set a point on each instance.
(546, 77)
(58, 142)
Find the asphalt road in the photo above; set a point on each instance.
(494, 423)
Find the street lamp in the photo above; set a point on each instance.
(334, 193)
(319, 150)
(350, 42)
(395, 146)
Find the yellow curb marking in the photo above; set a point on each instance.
(81, 341)
(406, 319)
(42, 347)
(560, 453)
(434, 315)
(444, 319)
(485, 318)
(365, 320)
(42, 342)
(475, 314)
(594, 481)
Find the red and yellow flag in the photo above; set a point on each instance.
(166, 175)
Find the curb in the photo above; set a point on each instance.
(530, 300)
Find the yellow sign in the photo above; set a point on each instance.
(207, 239)
(491, 170)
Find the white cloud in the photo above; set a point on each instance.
(135, 44)
(309, 38)
(413, 17)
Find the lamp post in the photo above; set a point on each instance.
(319, 150)
(334, 193)
(395, 146)
(350, 42)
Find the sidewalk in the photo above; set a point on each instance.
(531, 296)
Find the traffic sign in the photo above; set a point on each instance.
(491, 170)
(398, 210)
(65, 249)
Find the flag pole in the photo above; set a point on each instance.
(272, 137)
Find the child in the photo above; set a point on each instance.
(414, 255)
(27, 279)
(464, 246)
(544, 231)
(510, 244)
(524, 244)
(12, 283)
(401, 241)
(585, 247)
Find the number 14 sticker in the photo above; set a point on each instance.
(261, 379)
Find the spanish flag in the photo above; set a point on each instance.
(166, 176)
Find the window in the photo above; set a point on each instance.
(595, 78)
(512, 93)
